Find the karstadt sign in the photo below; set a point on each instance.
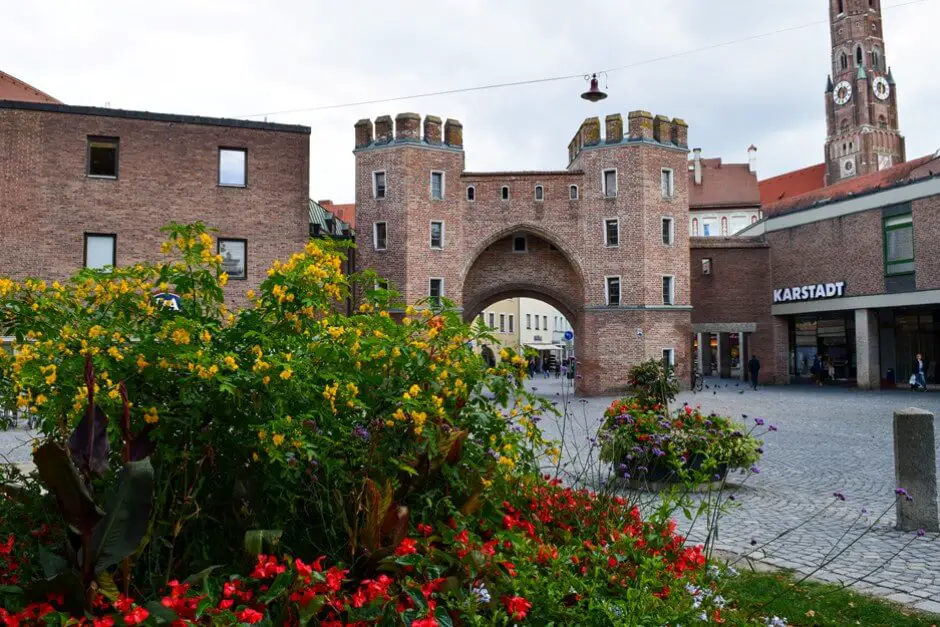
(809, 292)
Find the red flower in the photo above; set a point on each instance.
(107, 621)
(517, 607)
(407, 547)
(304, 570)
(425, 530)
(123, 604)
(334, 578)
(249, 616)
(7, 547)
(430, 621)
(136, 616)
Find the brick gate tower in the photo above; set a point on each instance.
(605, 241)
(861, 96)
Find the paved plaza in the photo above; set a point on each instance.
(829, 440)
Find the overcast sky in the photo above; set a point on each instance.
(231, 58)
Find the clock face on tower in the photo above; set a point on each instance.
(881, 88)
(842, 93)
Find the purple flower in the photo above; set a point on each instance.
(658, 452)
(361, 432)
(921, 533)
(864, 510)
(760, 449)
(900, 492)
(755, 470)
(839, 495)
(771, 428)
(493, 454)
(759, 422)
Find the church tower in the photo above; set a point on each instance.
(862, 133)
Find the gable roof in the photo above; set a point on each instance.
(895, 176)
(12, 88)
(326, 223)
(723, 185)
(792, 184)
(346, 213)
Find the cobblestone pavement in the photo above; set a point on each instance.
(829, 440)
(16, 447)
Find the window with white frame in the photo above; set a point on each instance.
(437, 185)
(667, 183)
(437, 235)
(233, 167)
(669, 290)
(528, 321)
(100, 250)
(610, 183)
(504, 192)
(378, 185)
(669, 357)
(612, 232)
(573, 192)
(492, 320)
(668, 231)
(471, 193)
(512, 323)
(502, 323)
(612, 291)
(234, 253)
(545, 323)
(519, 244)
(537, 323)
(436, 290)
(380, 236)
(539, 193)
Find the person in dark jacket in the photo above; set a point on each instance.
(817, 370)
(753, 366)
(920, 372)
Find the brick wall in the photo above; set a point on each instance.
(926, 215)
(168, 171)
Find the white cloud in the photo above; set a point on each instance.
(238, 57)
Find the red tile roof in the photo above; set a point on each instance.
(792, 184)
(907, 172)
(12, 88)
(723, 185)
(346, 213)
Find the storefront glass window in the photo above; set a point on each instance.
(899, 244)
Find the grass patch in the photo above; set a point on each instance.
(810, 603)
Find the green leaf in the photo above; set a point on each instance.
(280, 585)
(201, 577)
(309, 611)
(162, 615)
(405, 467)
(52, 564)
(443, 618)
(128, 515)
(11, 590)
(61, 477)
(107, 587)
(204, 605)
(259, 540)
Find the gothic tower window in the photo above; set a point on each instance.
(844, 61)
(841, 7)
(859, 56)
(875, 59)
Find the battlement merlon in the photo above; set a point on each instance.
(641, 126)
(407, 129)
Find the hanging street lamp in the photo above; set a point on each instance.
(594, 93)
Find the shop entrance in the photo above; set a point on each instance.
(831, 336)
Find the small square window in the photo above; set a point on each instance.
(667, 183)
(668, 290)
(233, 164)
(669, 357)
(504, 192)
(102, 157)
(100, 250)
(378, 185)
(437, 235)
(234, 257)
(610, 183)
(573, 192)
(667, 231)
(381, 284)
(613, 291)
(436, 290)
(471, 193)
(612, 233)
(380, 236)
(437, 185)
(519, 244)
(539, 192)
(706, 266)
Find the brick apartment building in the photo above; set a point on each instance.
(605, 241)
(84, 186)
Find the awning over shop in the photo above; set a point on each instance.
(546, 347)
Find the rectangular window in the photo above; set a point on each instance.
(669, 295)
(537, 323)
(380, 236)
(528, 321)
(100, 250)
(102, 157)
(610, 183)
(378, 185)
(545, 323)
(512, 323)
(234, 257)
(504, 192)
(502, 323)
(492, 320)
(613, 291)
(899, 244)
(667, 231)
(233, 167)
(573, 192)
(667, 183)
(612, 233)
(436, 290)
(437, 235)
(539, 193)
(519, 244)
(437, 185)
(669, 357)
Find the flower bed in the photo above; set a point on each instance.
(647, 444)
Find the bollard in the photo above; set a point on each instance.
(915, 469)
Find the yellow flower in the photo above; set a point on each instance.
(115, 353)
(205, 336)
(141, 362)
(503, 354)
(250, 294)
(180, 336)
(262, 435)
(254, 456)
(223, 279)
(165, 247)
(286, 373)
(266, 380)
(151, 417)
(414, 390)
(206, 239)
(389, 423)
(278, 439)
(230, 362)
(50, 379)
(40, 400)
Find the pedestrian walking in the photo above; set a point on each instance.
(753, 365)
(920, 372)
(817, 369)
